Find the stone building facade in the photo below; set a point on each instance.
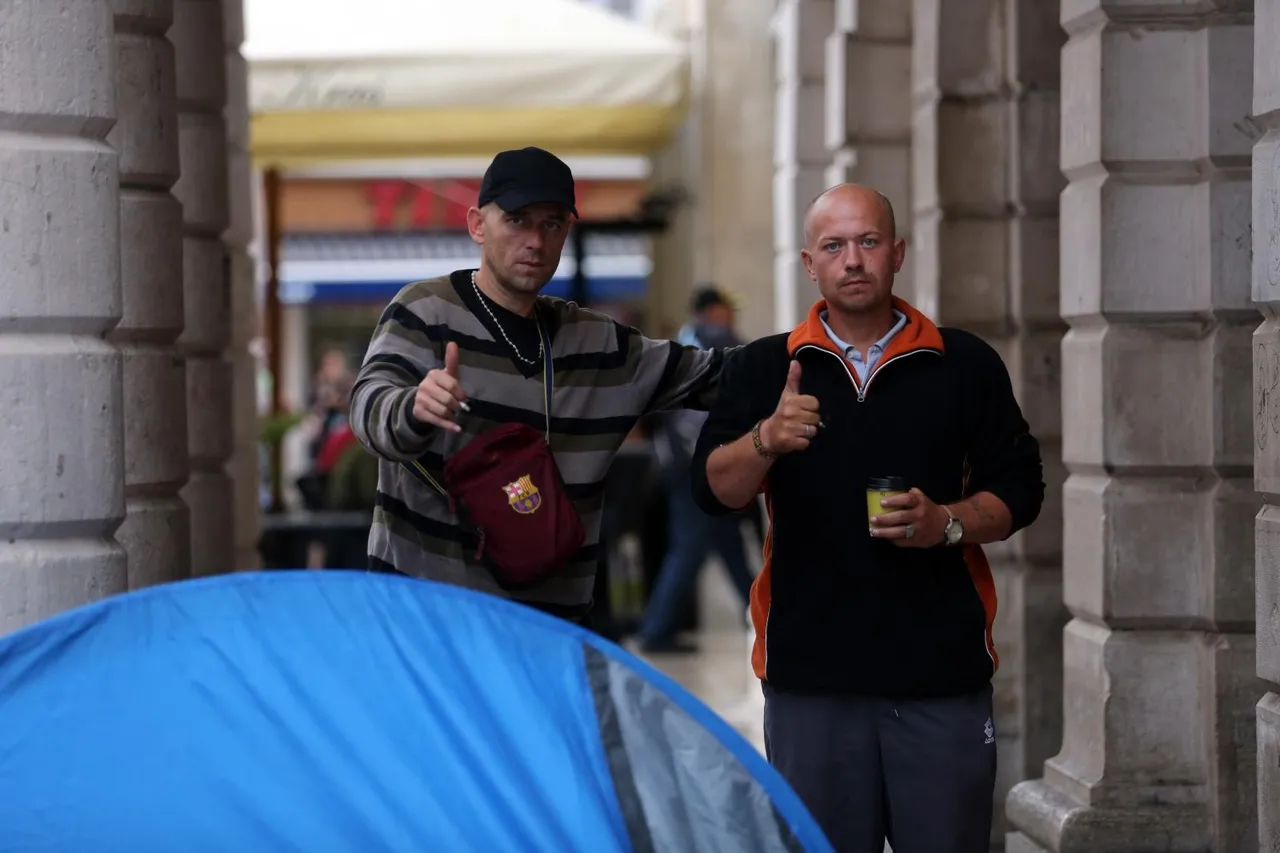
(129, 442)
(1094, 188)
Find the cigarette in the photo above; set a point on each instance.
(463, 405)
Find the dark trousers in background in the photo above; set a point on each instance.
(920, 773)
(692, 537)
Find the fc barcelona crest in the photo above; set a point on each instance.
(523, 495)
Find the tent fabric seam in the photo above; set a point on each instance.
(628, 796)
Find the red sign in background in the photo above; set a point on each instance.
(432, 204)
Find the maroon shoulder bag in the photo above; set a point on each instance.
(507, 485)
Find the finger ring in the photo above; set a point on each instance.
(910, 531)
(808, 431)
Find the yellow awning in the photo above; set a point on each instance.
(333, 80)
(299, 138)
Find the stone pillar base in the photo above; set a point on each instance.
(1054, 822)
(1269, 773)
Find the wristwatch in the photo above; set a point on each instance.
(954, 531)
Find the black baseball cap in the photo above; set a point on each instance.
(708, 295)
(526, 176)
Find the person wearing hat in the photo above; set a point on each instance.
(693, 535)
(454, 356)
(713, 311)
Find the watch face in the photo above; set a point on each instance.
(954, 531)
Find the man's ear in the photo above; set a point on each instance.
(899, 254)
(475, 225)
(808, 263)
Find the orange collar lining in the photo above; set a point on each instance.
(920, 333)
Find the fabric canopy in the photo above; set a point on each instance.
(349, 711)
(336, 80)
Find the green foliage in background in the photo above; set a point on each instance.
(274, 427)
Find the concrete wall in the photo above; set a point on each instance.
(156, 533)
(800, 155)
(1265, 126)
(239, 237)
(985, 184)
(1157, 751)
(62, 460)
(722, 157)
(116, 307)
(202, 134)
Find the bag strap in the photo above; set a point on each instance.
(548, 387)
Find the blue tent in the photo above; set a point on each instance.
(346, 711)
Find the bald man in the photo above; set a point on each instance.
(873, 624)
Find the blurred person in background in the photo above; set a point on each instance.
(692, 535)
(325, 425)
(331, 393)
(455, 356)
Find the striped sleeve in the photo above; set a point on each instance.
(399, 356)
(690, 376)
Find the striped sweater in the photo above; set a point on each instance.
(607, 376)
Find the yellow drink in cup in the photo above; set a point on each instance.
(879, 488)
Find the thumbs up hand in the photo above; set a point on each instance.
(795, 422)
(793, 378)
(451, 359)
(440, 394)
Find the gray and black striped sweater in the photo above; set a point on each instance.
(607, 376)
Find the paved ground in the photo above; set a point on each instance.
(720, 674)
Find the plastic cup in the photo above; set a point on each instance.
(879, 488)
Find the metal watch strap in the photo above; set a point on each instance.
(952, 521)
(759, 444)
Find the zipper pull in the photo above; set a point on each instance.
(862, 397)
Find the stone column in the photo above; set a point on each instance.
(1159, 686)
(1028, 569)
(800, 157)
(736, 148)
(721, 155)
(960, 154)
(1266, 399)
(198, 36)
(986, 183)
(156, 533)
(243, 466)
(62, 454)
(868, 107)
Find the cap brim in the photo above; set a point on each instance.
(516, 199)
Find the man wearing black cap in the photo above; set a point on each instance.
(712, 313)
(453, 357)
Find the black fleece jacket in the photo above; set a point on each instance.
(834, 608)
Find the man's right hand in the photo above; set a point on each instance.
(440, 395)
(795, 422)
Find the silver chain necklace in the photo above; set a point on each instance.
(493, 317)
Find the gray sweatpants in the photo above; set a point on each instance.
(919, 772)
